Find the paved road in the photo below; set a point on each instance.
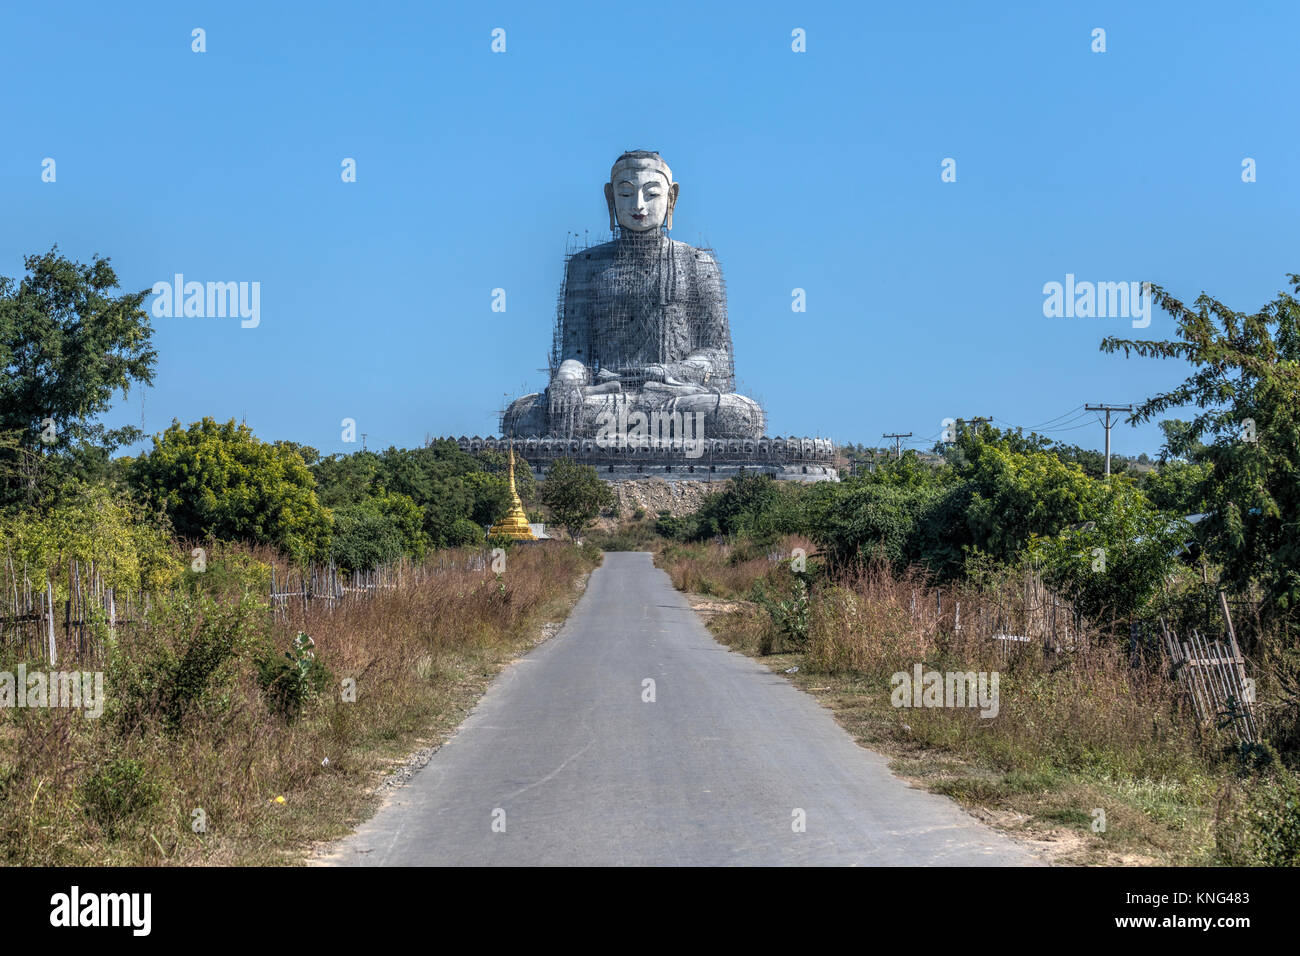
(563, 750)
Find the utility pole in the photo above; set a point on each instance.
(1108, 409)
(898, 443)
(975, 422)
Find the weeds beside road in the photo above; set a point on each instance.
(228, 739)
(1092, 759)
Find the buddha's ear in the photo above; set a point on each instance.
(609, 201)
(672, 201)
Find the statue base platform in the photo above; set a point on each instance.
(786, 459)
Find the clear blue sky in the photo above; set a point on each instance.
(818, 170)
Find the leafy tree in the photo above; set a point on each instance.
(23, 471)
(219, 480)
(1091, 461)
(67, 344)
(307, 453)
(436, 478)
(457, 493)
(491, 494)
(942, 539)
(870, 520)
(377, 531)
(1180, 442)
(908, 471)
(497, 463)
(1014, 497)
(450, 502)
(462, 533)
(1113, 565)
(1246, 384)
(98, 523)
(753, 505)
(1177, 487)
(343, 480)
(575, 494)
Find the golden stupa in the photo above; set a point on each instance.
(515, 523)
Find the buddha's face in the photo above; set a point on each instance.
(641, 198)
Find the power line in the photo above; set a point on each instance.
(1073, 424)
(1045, 429)
(1056, 424)
(1093, 420)
(1057, 420)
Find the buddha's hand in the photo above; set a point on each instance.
(694, 371)
(564, 395)
(675, 389)
(653, 373)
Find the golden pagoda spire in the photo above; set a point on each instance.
(515, 523)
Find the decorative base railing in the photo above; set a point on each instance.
(789, 459)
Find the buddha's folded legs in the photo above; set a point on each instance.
(724, 415)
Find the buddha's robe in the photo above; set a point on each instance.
(643, 327)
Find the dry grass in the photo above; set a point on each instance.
(124, 789)
(721, 570)
(1084, 709)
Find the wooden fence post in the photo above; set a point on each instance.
(49, 597)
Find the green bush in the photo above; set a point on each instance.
(192, 651)
(365, 538)
(1261, 826)
(118, 790)
(227, 571)
(872, 521)
(674, 528)
(293, 680)
(463, 533)
(790, 615)
(756, 506)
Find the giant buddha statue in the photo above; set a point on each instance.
(642, 325)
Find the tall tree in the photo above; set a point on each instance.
(1246, 384)
(219, 480)
(575, 494)
(67, 344)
